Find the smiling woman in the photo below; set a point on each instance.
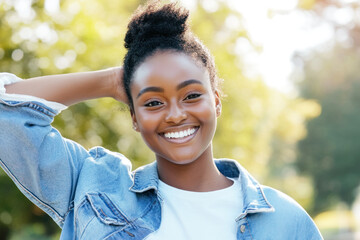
(169, 82)
(175, 97)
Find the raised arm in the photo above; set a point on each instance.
(72, 88)
(44, 165)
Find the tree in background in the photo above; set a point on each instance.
(258, 126)
(330, 154)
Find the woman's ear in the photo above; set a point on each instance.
(217, 103)
(134, 121)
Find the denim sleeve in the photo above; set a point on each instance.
(43, 165)
(289, 219)
(9, 78)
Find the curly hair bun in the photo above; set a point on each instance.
(155, 21)
(157, 27)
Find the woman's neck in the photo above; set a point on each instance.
(200, 175)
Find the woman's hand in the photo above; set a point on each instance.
(118, 89)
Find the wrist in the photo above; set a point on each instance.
(117, 91)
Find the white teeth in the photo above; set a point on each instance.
(180, 134)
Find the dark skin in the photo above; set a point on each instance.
(176, 96)
(175, 110)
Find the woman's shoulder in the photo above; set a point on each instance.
(283, 202)
(100, 156)
(289, 211)
(278, 195)
(289, 216)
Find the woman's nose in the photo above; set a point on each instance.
(175, 114)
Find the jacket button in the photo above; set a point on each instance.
(242, 228)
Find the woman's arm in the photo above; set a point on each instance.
(44, 165)
(72, 88)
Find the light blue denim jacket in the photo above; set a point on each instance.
(95, 195)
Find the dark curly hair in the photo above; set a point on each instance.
(155, 28)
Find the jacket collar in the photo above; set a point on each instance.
(254, 199)
(145, 178)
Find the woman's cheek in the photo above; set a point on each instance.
(148, 120)
(205, 111)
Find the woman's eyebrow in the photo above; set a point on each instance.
(188, 82)
(150, 89)
(178, 87)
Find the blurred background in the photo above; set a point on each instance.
(291, 115)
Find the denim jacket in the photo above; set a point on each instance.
(95, 195)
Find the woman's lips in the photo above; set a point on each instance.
(180, 136)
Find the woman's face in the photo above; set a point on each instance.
(175, 108)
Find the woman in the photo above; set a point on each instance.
(169, 82)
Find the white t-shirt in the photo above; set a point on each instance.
(198, 215)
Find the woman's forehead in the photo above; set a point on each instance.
(169, 66)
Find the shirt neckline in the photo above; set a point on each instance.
(163, 187)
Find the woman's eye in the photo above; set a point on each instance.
(192, 96)
(153, 104)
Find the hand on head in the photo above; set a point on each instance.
(117, 78)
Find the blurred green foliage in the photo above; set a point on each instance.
(330, 154)
(259, 127)
(331, 151)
